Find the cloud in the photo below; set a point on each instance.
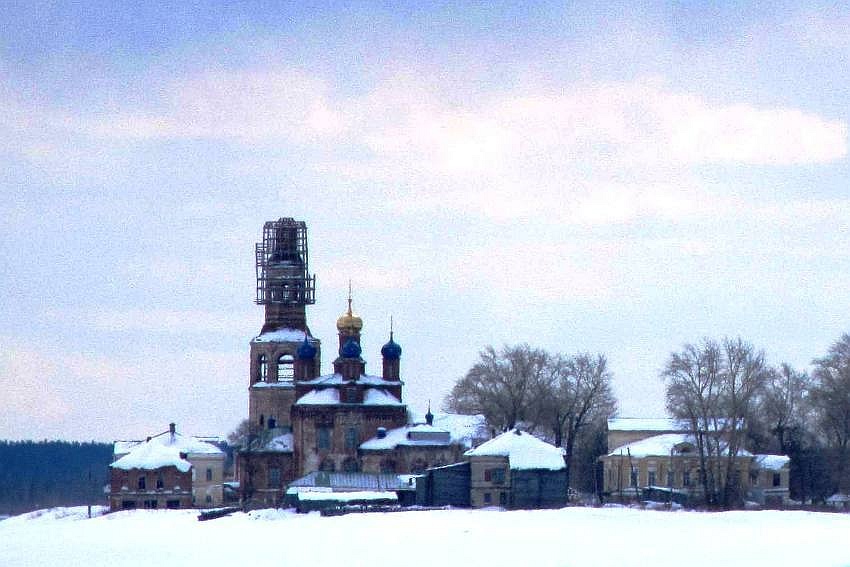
(158, 320)
(76, 395)
(619, 123)
(245, 106)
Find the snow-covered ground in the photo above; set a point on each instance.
(574, 536)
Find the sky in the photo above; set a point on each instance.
(614, 178)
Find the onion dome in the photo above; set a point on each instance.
(348, 321)
(391, 350)
(306, 350)
(351, 349)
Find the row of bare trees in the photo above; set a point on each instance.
(734, 399)
(566, 398)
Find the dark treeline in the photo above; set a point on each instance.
(43, 474)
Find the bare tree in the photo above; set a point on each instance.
(576, 395)
(830, 395)
(784, 404)
(693, 393)
(239, 437)
(556, 394)
(715, 386)
(501, 386)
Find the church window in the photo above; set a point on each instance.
(351, 438)
(272, 422)
(323, 437)
(285, 368)
(262, 368)
(777, 479)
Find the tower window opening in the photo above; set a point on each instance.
(285, 368)
(262, 368)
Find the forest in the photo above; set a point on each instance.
(43, 474)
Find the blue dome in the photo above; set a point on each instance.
(391, 350)
(351, 349)
(306, 351)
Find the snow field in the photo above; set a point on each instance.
(571, 536)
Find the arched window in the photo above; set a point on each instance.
(285, 368)
(262, 368)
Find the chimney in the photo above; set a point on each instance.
(172, 429)
(382, 432)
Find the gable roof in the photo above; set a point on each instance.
(523, 450)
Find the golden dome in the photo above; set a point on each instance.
(349, 321)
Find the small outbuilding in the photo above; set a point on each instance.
(513, 470)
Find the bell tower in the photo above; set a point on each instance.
(284, 284)
(284, 351)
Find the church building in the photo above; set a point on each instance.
(301, 421)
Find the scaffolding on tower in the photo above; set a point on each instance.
(282, 271)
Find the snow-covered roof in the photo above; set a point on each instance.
(337, 379)
(523, 450)
(348, 496)
(350, 481)
(326, 396)
(378, 397)
(421, 435)
(466, 430)
(280, 444)
(772, 462)
(192, 446)
(150, 456)
(647, 424)
(281, 336)
(330, 396)
(662, 445)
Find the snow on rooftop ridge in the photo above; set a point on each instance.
(431, 436)
(281, 336)
(189, 445)
(378, 397)
(772, 462)
(319, 397)
(523, 450)
(152, 456)
(662, 445)
(464, 429)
